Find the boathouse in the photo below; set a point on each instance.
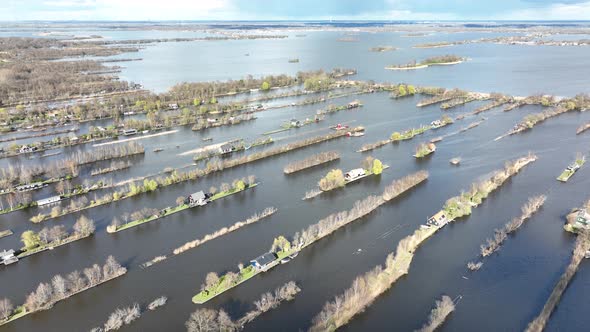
(7, 257)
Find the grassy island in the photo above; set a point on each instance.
(443, 60)
(572, 169)
(424, 150)
(382, 49)
(56, 236)
(60, 288)
(146, 215)
(336, 179)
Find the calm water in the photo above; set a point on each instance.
(504, 295)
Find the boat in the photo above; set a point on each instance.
(206, 139)
(355, 134)
(158, 149)
(339, 127)
(455, 161)
(289, 258)
(145, 131)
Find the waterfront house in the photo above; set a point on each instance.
(198, 198)
(295, 123)
(354, 174)
(173, 106)
(354, 104)
(228, 147)
(583, 219)
(129, 132)
(27, 149)
(7, 257)
(264, 262)
(439, 219)
(49, 200)
(31, 186)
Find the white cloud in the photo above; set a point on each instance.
(558, 11)
(70, 3)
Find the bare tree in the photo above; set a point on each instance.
(202, 320)
(60, 287)
(93, 274)
(111, 267)
(76, 281)
(6, 308)
(84, 226)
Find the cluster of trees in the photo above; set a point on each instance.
(440, 95)
(209, 320)
(442, 309)
(424, 149)
(228, 120)
(577, 103)
(59, 288)
(460, 206)
(215, 165)
(372, 146)
(457, 102)
(403, 90)
(311, 161)
(334, 179)
(500, 235)
(583, 128)
(114, 166)
(580, 249)
(119, 318)
(498, 100)
(19, 174)
(408, 134)
(361, 208)
(24, 82)
(441, 59)
(225, 230)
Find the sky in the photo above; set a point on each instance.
(134, 10)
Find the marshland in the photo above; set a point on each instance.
(508, 285)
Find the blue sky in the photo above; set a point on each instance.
(11, 10)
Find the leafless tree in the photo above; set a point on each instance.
(93, 274)
(60, 287)
(6, 308)
(84, 226)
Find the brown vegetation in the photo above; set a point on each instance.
(209, 320)
(311, 161)
(439, 313)
(580, 249)
(256, 217)
(500, 235)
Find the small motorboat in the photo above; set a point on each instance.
(339, 127)
(355, 134)
(158, 149)
(206, 139)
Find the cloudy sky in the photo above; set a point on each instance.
(11, 10)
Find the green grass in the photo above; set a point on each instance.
(567, 174)
(176, 209)
(17, 313)
(44, 247)
(245, 274)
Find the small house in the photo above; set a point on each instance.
(27, 149)
(436, 123)
(49, 200)
(439, 219)
(264, 262)
(197, 199)
(173, 106)
(354, 104)
(7, 257)
(228, 148)
(583, 217)
(354, 174)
